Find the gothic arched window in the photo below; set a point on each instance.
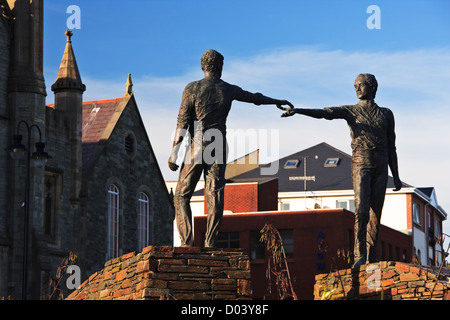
(144, 220)
(113, 221)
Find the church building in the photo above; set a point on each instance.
(75, 176)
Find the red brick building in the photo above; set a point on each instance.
(311, 238)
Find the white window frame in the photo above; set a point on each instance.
(144, 220)
(347, 204)
(416, 213)
(113, 221)
(285, 206)
(437, 228)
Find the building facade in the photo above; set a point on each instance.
(100, 193)
(315, 241)
(318, 178)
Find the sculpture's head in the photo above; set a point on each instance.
(366, 86)
(212, 61)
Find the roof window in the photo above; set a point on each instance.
(331, 162)
(291, 164)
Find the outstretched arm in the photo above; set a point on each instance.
(259, 99)
(314, 113)
(325, 113)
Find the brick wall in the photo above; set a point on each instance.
(268, 195)
(241, 197)
(387, 280)
(250, 196)
(181, 273)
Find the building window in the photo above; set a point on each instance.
(291, 164)
(144, 221)
(227, 240)
(52, 193)
(257, 248)
(287, 236)
(416, 213)
(113, 221)
(346, 204)
(130, 144)
(331, 162)
(285, 206)
(437, 228)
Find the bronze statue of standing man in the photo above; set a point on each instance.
(373, 151)
(203, 112)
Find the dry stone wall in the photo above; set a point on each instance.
(386, 280)
(181, 273)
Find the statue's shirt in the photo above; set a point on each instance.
(207, 103)
(371, 130)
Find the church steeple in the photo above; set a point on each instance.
(68, 77)
(68, 90)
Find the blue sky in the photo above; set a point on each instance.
(308, 52)
(166, 37)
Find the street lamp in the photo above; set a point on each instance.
(17, 151)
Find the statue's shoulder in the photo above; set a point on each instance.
(341, 108)
(193, 84)
(386, 111)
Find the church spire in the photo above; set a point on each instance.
(129, 85)
(68, 77)
(68, 90)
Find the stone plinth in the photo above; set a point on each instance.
(386, 280)
(160, 273)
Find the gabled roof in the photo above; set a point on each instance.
(100, 118)
(98, 122)
(336, 175)
(432, 199)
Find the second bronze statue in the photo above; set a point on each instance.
(373, 151)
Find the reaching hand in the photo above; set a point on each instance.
(289, 111)
(172, 160)
(173, 166)
(284, 102)
(398, 184)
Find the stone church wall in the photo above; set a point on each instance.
(133, 173)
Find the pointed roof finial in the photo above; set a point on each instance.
(69, 35)
(129, 85)
(68, 77)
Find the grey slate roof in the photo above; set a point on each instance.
(326, 178)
